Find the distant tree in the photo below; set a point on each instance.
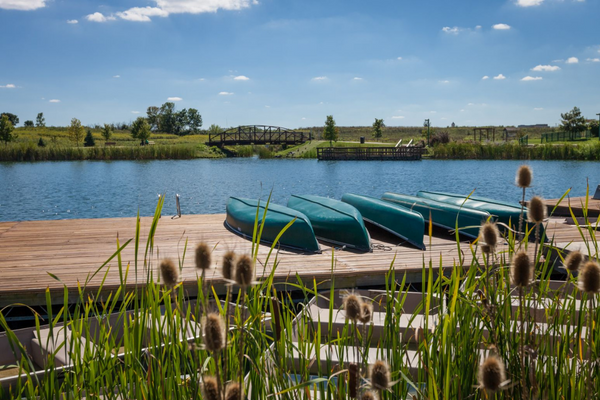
(89, 139)
(194, 120)
(153, 116)
(214, 129)
(140, 129)
(330, 132)
(377, 128)
(593, 126)
(6, 130)
(106, 132)
(76, 131)
(167, 118)
(180, 122)
(14, 120)
(28, 124)
(41, 142)
(40, 121)
(573, 121)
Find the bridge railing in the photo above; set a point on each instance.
(259, 135)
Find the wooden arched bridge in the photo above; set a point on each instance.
(257, 134)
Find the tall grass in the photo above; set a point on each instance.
(513, 151)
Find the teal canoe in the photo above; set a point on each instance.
(396, 219)
(333, 221)
(442, 214)
(241, 214)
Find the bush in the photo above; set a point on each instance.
(41, 142)
(89, 139)
(440, 138)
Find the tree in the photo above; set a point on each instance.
(106, 132)
(41, 142)
(6, 130)
(89, 139)
(377, 128)
(140, 130)
(593, 127)
(194, 120)
(40, 121)
(214, 129)
(14, 120)
(153, 113)
(166, 121)
(76, 131)
(330, 132)
(28, 124)
(573, 122)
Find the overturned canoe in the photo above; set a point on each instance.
(444, 215)
(241, 214)
(394, 218)
(333, 221)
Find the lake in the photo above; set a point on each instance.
(99, 189)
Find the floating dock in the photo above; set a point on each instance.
(370, 153)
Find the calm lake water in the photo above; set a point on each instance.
(98, 189)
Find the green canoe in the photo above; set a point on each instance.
(396, 219)
(442, 214)
(333, 221)
(300, 236)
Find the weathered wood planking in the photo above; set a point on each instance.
(73, 249)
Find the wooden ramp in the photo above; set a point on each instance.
(72, 250)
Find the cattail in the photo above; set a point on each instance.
(491, 374)
(233, 392)
(589, 278)
(210, 388)
(524, 176)
(486, 248)
(489, 233)
(366, 313)
(353, 378)
(203, 256)
(244, 271)
(352, 306)
(380, 375)
(520, 270)
(573, 260)
(228, 265)
(169, 272)
(214, 332)
(370, 395)
(536, 212)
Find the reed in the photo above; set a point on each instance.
(589, 151)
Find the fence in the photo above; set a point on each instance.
(565, 136)
(524, 141)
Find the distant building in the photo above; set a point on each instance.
(453, 125)
(534, 126)
(510, 133)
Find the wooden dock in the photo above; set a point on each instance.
(73, 249)
(401, 153)
(576, 204)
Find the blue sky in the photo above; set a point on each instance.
(292, 63)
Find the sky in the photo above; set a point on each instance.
(291, 63)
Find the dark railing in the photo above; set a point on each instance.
(524, 140)
(565, 136)
(369, 153)
(258, 134)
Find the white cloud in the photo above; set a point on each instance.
(267, 106)
(501, 27)
(572, 60)
(54, 101)
(174, 99)
(23, 5)
(444, 81)
(72, 21)
(593, 59)
(303, 118)
(99, 17)
(8, 86)
(398, 117)
(532, 78)
(117, 76)
(478, 27)
(471, 104)
(485, 77)
(225, 93)
(201, 79)
(142, 14)
(499, 77)
(549, 68)
(452, 31)
(241, 78)
(202, 6)
(462, 110)
(529, 3)
(432, 112)
(399, 59)
(356, 78)
(319, 78)
(135, 112)
(538, 109)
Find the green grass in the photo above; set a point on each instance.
(584, 151)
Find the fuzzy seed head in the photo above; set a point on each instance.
(524, 176)
(366, 312)
(370, 395)
(536, 210)
(380, 375)
(521, 272)
(573, 260)
(214, 332)
(203, 256)
(589, 278)
(491, 374)
(233, 392)
(352, 306)
(244, 271)
(210, 388)
(489, 233)
(169, 272)
(228, 265)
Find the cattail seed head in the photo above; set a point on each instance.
(352, 306)
(233, 392)
(210, 388)
(589, 278)
(491, 374)
(214, 332)
(169, 272)
(524, 176)
(380, 375)
(573, 260)
(536, 210)
(244, 271)
(228, 265)
(520, 271)
(489, 233)
(203, 256)
(370, 395)
(366, 313)
(486, 248)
